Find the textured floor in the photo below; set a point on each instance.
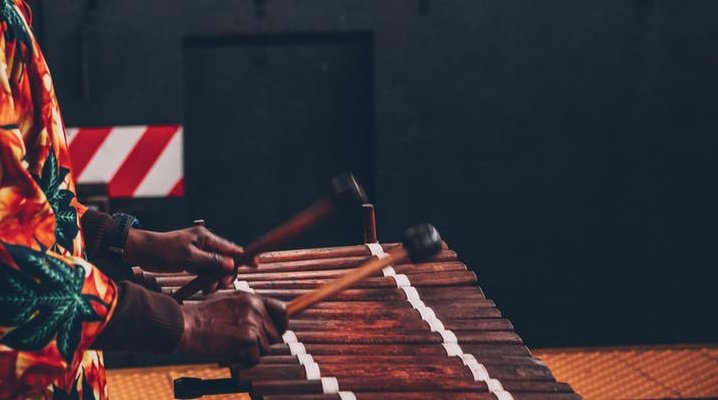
(665, 372)
(155, 383)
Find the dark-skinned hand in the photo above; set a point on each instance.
(194, 249)
(236, 328)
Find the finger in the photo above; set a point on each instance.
(267, 325)
(244, 262)
(222, 246)
(260, 344)
(259, 318)
(263, 340)
(253, 355)
(245, 358)
(210, 289)
(277, 311)
(256, 321)
(201, 261)
(272, 334)
(247, 352)
(227, 281)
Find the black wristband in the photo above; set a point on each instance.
(118, 236)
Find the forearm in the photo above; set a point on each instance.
(143, 321)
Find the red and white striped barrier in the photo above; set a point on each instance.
(134, 161)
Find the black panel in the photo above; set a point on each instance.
(269, 121)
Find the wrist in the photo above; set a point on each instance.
(122, 224)
(136, 239)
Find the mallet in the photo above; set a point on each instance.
(346, 193)
(420, 243)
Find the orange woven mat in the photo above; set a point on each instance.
(657, 372)
(155, 383)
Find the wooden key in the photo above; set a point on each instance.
(420, 242)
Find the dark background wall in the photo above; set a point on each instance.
(566, 149)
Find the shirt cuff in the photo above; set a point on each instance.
(143, 321)
(96, 227)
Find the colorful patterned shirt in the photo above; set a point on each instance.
(53, 303)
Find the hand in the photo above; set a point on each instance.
(233, 328)
(193, 249)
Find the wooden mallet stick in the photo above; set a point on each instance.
(420, 242)
(346, 193)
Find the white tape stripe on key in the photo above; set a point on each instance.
(290, 337)
(388, 271)
(452, 349)
(330, 385)
(402, 282)
(311, 368)
(347, 396)
(242, 286)
(305, 358)
(312, 371)
(448, 336)
(477, 370)
(296, 348)
(376, 250)
(412, 296)
(449, 339)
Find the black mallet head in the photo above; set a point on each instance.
(422, 242)
(347, 191)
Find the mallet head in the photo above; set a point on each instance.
(422, 242)
(347, 192)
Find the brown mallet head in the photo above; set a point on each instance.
(422, 242)
(347, 192)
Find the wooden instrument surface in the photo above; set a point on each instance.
(375, 340)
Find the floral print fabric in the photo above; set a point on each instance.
(53, 303)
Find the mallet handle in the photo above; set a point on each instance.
(296, 225)
(299, 223)
(345, 281)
